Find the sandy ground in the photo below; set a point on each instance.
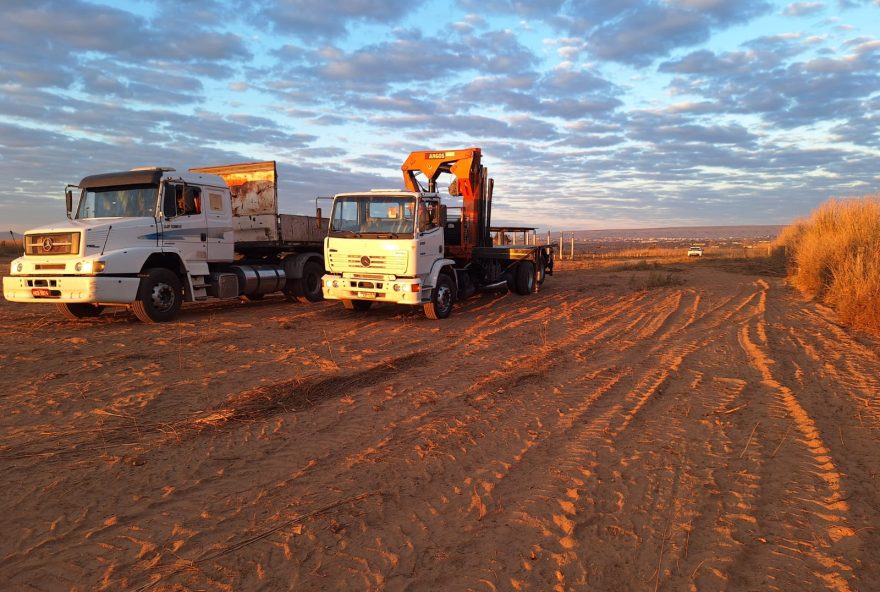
(717, 435)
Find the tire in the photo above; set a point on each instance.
(442, 298)
(510, 277)
(525, 278)
(308, 288)
(75, 311)
(358, 305)
(159, 297)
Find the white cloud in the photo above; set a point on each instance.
(803, 8)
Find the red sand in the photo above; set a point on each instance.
(720, 434)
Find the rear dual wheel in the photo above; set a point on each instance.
(542, 269)
(524, 278)
(307, 288)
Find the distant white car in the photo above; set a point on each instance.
(695, 252)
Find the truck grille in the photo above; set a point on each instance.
(55, 243)
(390, 262)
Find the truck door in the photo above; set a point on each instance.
(184, 224)
(221, 238)
(429, 233)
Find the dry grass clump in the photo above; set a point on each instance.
(835, 257)
(9, 248)
(660, 280)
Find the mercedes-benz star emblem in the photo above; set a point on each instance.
(365, 261)
(48, 244)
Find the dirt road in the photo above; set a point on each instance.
(717, 435)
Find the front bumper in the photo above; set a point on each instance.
(409, 291)
(85, 289)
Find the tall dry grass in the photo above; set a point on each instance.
(835, 257)
(10, 248)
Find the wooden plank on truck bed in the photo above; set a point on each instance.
(253, 189)
(253, 185)
(511, 252)
(295, 228)
(255, 228)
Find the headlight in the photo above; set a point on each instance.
(90, 266)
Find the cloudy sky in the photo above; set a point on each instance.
(592, 114)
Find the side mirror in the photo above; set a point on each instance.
(68, 201)
(318, 221)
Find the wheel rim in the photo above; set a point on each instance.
(162, 297)
(444, 296)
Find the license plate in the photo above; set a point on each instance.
(366, 294)
(41, 293)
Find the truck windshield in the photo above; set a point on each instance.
(130, 201)
(373, 214)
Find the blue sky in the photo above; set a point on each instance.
(591, 114)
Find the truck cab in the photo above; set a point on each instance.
(117, 223)
(384, 246)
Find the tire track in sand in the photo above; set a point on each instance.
(814, 496)
(596, 422)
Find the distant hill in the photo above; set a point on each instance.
(681, 233)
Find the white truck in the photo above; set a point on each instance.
(406, 247)
(152, 238)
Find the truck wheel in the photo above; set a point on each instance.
(308, 288)
(442, 297)
(525, 278)
(79, 311)
(358, 305)
(542, 270)
(159, 297)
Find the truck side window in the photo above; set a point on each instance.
(192, 200)
(429, 215)
(216, 202)
(182, 200)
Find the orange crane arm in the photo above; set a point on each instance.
(471, 183)
(463, 164)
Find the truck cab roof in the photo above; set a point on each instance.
(147, 176)
(388, 192)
